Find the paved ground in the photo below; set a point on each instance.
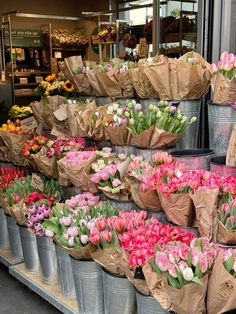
(16, 298)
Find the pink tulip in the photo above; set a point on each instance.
(72, 231)
(162, 261)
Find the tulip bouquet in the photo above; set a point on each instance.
(186, 268)
(123, 79)
(72, 167)
(108, 174)
(221, 286)
(62, 145)
(32, 147)
(116, 126)
(105, 237)
(223, 81)
(139, 244)
(71, 226)
(227, 223)
(160, 126)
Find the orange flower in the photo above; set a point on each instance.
(50, 78)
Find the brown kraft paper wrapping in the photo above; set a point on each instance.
(174, 81)
(83, 252)
(143, 139)
(224, 235)
(48, 166)
(161, 138)
(144, 200)
(4, 204)
(73, 121)
(19, 212)
(63, 172)
(178, 208)
(15, 142)
(138, 83)
(109, 258)
(155, 284)
(37, 107)
(82, 84)
(97, 87)
(190, 299)
(221, 290)
(158, 75)
(122, 196)
(125, 84)
(109, 83)
(86, 115)
(224, 90)
(139, 284)
(205, 202)
(150, 91)
(118, 135)
(192, 77)
(97, 129)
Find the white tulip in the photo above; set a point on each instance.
(188, 274)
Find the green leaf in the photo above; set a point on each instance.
(180, 277)
(229, 263)
(48, 224)
(197, 280)
(198, 272)
(173, 282)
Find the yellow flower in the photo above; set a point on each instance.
(50, 78)
(68, 86)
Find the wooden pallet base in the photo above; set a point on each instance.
(7, 259)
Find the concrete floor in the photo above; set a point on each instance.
(16, 298)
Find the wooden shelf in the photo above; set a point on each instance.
(177, 37)
(7, 259)
(26, 84)
(30, 73)
(50, 292)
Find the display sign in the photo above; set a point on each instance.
(58, 131)
(37, 182)
(28, 124)
(24, 38)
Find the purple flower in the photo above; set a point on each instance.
(138, 106)
(33, 218)
(41, 207)
(91, 225)
(40, 215)
(30, 224)
(66, 236)
(116, 183)
(72, 231)
(95, 178)
(32, 209)
(40, 233)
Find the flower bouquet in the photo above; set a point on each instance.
(138, 244)
(123, 79)
(116, 125)
(109, 174)
(17, 112)
(7, 177)
(13, 137)
(227, 223)
(222, 283)
(73, 169)
(223, 82)
(105, 237)
(71, 224)
(139, 172)
(186, 270)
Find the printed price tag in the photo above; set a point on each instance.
(59, 131)
(37, 182)
(38, 79)
(23, 80)
(226, 289)
(29, 124)
(61, 113)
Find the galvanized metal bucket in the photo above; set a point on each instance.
(218, 165)
(128, 150)
(30, 249)
(148, 305)
(14, 238)
(4, 164)
(194, 158)
(4, 237)
(221, 119)
(147, 153)
(146, 102)
(122, 205)
(100, 144)
(47, 258)
(192, 230)
(100, 101)
(226, 247)
(160, 216)
(65, 273)
(119, 294)
(189, 138)
(88, 286)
